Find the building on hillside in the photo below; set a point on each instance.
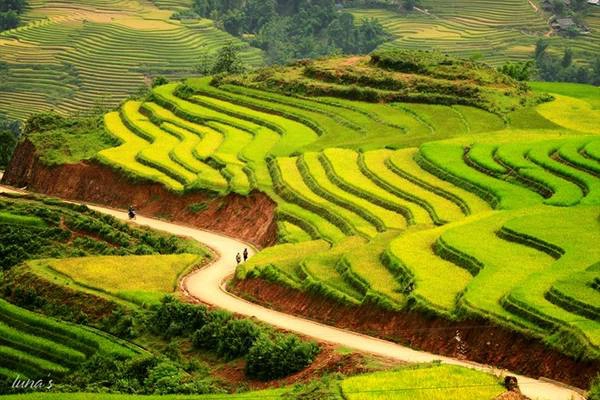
(594, 2)
(562, 24)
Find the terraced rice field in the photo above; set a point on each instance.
(33, 345)
(72, 57)
(426, 220)
(497, 31)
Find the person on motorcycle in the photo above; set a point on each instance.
(131, 212)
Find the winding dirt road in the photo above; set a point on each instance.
(207, 285)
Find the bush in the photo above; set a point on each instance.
(230, 338)
(173, 318)
(282, 355)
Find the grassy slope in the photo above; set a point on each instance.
(140, 279)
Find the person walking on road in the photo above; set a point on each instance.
(238, 258)
(245, 254)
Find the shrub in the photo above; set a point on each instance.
(282, 355)
(173, 318)
(237, 337)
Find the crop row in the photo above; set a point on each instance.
(35, 345)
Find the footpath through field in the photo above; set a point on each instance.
(208, 286)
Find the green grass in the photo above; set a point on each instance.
(438, 283)
(447, 162)
(428, 382)
(577, 294)
(322, 269)
(403, 163)
(299, 192)
(16, 219)
(315, 176)
(560, 192)
(121, 276)
(578, 228)
(284, 257)
(343, 169)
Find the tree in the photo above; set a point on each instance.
(8, 142)
(228, 60)
(233, 22)
(567, 59)
(15, 5)
(540, 48)
(559, 7)
(410, 5)
(520, 71)
(10, 130)
(595, 74)
(159, 80)
(258, 13)
(9, 20)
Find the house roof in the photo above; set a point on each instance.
(565, 23)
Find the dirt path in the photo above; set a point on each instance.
(207, 285)
(532, 4)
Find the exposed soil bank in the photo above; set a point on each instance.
(474, 340)
(250, 218)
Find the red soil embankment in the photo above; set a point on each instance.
(474, 340)
(250, 218)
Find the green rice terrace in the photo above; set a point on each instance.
(71, 57)
(495, 31)
(406, 181)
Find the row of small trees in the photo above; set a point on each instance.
(548, 67)
(269, 354)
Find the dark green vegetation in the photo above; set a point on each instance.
(270, 355)
(67, 139)
(10, 131)
(292, 29)
(562, 68)
(10, 11)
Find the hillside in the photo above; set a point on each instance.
(72, 56)
(496, 31)
(411, 192)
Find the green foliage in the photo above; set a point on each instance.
(299, 29)
(562, 69)
(282, 355)
(520, 71)
(42, 228)
(159, 80)
(10, 11)
(174, 318)
(197, 207)
(231, 338)
(66, 140)
(8, 142)
(228, 61)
